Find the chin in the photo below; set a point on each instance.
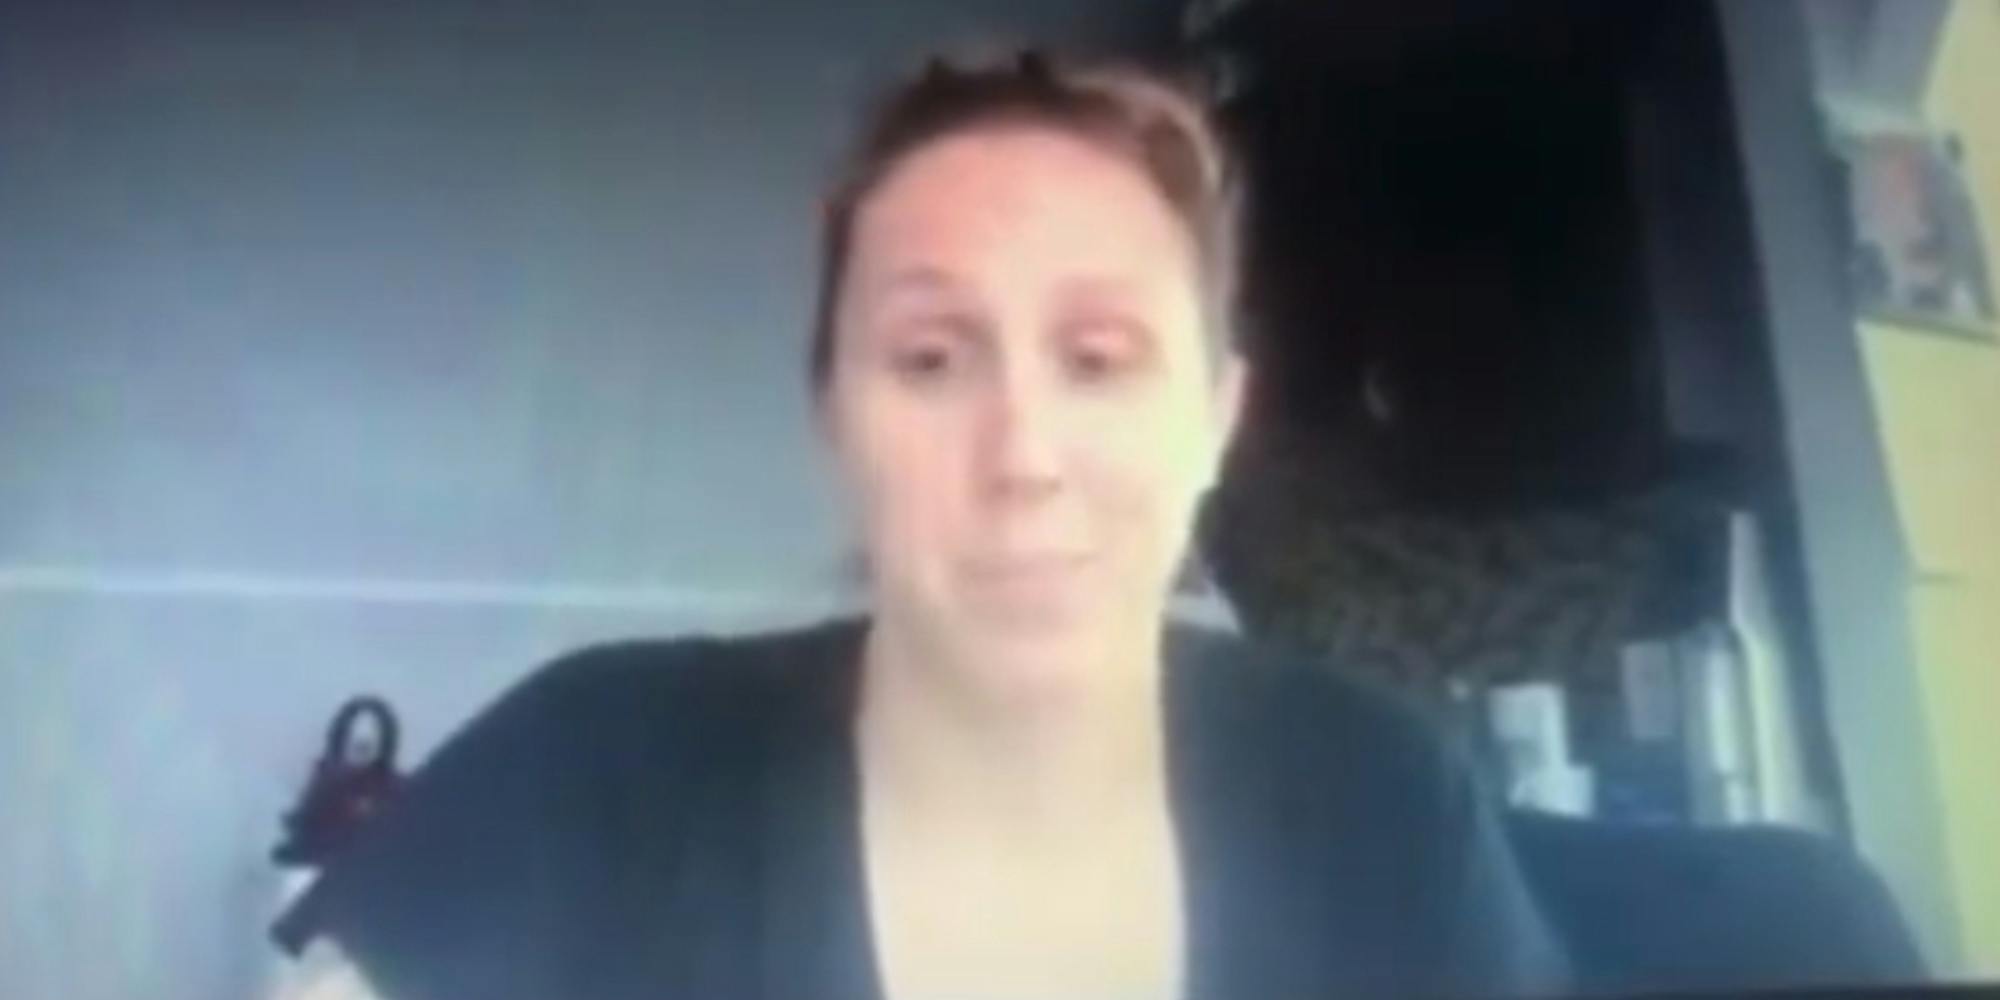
(1038, 659)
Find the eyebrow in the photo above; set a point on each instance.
(921, 278)
(1098, 289)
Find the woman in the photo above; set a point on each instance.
(1011, 779)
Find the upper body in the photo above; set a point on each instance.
(682, 818)
(1023, 369)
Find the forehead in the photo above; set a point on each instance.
(1024, 199)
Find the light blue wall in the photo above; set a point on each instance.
(344, 347)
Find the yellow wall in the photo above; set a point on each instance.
(1938, 400)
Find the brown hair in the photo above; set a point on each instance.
(1143, 117)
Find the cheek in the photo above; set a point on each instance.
(899, 469)
(1144, 477)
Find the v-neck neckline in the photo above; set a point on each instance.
(816, 919)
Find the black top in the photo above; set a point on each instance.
(681, 819)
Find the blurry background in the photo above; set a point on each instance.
(398, 347)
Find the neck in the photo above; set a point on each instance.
(959, 740)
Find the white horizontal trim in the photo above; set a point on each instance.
(283, 588)
(1207, 609)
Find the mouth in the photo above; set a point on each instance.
(1036, 590)
(1029, 566)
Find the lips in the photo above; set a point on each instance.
(1037, 591)
(1026, 566)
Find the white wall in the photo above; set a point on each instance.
(348, 348)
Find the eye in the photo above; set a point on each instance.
(1101, 351)
(1092, 364)
(922, 362)
(930, 350)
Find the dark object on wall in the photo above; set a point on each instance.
(353, 780)
(1672, 908)
(1917, 255)
(351, 783)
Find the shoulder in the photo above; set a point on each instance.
(685, 686)
(1385, 809)
(600, 726)
(1365, 779)
(699, 666)
(1326, 723)
(515, 827)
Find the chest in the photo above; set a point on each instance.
(1100, 914)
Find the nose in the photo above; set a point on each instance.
(1019, 458)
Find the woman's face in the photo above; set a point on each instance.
(1022, 397)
